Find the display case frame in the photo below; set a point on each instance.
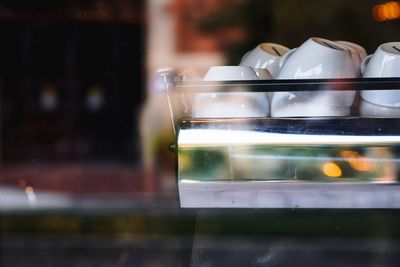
(326, 131)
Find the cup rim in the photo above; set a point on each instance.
(367, 97)
(328, 44)
(312, 102)
(368, 109)
(259, 104)
(261, 46)
(311, 99)
(359, 49)
(229, 67)
(383, 105)
(383, 47)
(232, 67)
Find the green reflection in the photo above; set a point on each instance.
(262, 162)
(204, 163)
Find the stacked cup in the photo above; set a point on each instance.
(265, 57)
(317, 58)
(260, 63)
(357, 53)
(230, 105)
(385, 62)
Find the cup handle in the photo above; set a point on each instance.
(285, 57)
(364, 63)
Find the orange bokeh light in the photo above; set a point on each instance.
(29, 189)
(376, 13)
(387, 11)
(394, 10)
(357, 161)
(22, 183)
(331, 169)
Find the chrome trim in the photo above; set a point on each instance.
(212, 137)
(263, 194)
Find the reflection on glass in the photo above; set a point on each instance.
(204, 164)
(95, 98)
(275, 163)
(49, 98)
(332, 169)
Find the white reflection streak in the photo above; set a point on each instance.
(212, 137)
(30, 194)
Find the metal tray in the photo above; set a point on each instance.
(254, 163)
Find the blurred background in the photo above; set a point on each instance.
(86, 178)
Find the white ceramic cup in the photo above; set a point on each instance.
(265, 56)
(368, 109)
(317, 58)
(385, 62)
(230, 105)
(286, 104)
(230, 73)
(358, 48)
(358, 53)
(263, 74)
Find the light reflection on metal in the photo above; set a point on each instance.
(279, 163)
(319, 158)
(357, 161)
(331, 169)
(288, 150)
(216, 137)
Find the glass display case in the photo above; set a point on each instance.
(292, 162)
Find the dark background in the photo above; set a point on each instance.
(41, 48)
(84, 166)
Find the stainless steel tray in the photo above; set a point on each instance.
(289, 163)
(342, 162)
